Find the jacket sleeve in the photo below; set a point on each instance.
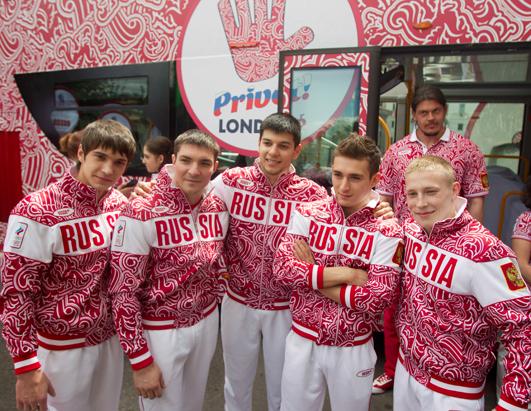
(507, 303)
(388, 180)
(383, 277)
(289, 271)
(27, 256)
(129, 260)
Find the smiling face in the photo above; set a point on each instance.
(100, 168)
(194, 166)
(431, 197)
(276, 152)
(352, 182)
(429, 116)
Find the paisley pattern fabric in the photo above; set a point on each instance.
(164, 261)
(55, 271)
(522, 226)
(359, 241)
(463, 154)
(260, 214)
(460, 287)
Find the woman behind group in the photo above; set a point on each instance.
(157, 152)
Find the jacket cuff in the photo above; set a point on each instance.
(315, 276)
(140, 359)
(510, 404)
(26, 363)
(346, 295)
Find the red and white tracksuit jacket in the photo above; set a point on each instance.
(461, 285)
(359, 241)
(55, 270)
(260, 213)
(165, 264)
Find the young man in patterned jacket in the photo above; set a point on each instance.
(165, 278)
(431, 136)
(56, 314)
(333, 317)
(461, 287)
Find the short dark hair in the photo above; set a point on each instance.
(197, 138)
(360, 148)
(282, 123)
(428, 92)
(108, 134)
(160, 146)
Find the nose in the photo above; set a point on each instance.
(343, 186)
(421, 201)
(194, 169)
(274, 149)
(107, 168)
(430, 116)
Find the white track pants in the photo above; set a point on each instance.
(410, 395)
(242, 330)
(309, 368)
(85, 379)
(184, 356)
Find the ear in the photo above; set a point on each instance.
(80, 154)
(456, 188)
(375, 179)
(216, 165)
(160, 159)
(297, 151)
(173, 159)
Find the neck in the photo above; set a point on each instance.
(99, 195)
(193, 200)
(358, 206)
(430, 140)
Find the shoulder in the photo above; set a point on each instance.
(40, 204)
(310, 190)
(320, 209)
(232, 175)
(143, 208)
(478, 244)
(213, 204)
(464, 142)
(390, 227)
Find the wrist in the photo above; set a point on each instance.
(26, 363)
(140, 359)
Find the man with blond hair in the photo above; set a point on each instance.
(461, 287)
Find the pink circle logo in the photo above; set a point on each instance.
(228, 63)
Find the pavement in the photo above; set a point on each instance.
(214, 394)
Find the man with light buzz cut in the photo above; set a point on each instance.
(461, 287)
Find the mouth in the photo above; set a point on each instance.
(424, 214)
(272, 162)
(105, 180)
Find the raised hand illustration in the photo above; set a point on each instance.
(254, 45)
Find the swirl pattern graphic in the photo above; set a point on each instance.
(46, 35)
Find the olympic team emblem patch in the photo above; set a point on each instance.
(399, 254)
(119, 232)
(512, 277)
(484, 180)
(19, 234)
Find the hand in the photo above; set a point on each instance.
(350, 276)
(255, 45)
(303, 252)
(148, 381)
(32, 389)
(359, 277)
(143, 189)
(126, 191)
(384, 210)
